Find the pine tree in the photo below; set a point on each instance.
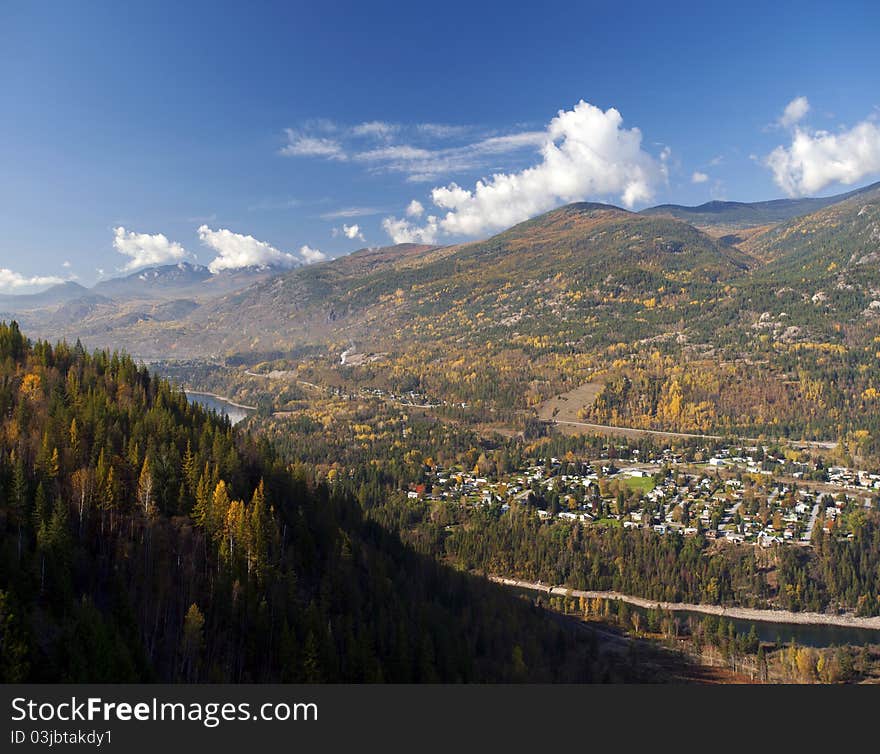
(20, 495)
(193, 642)
(263, 533)
(190, 470)
(75, 448)
(234, 531)
(213, 514)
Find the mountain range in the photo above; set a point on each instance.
(748, 214)
(583, 273)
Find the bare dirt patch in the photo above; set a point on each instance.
(565, 407)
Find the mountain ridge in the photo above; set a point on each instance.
(746, 214)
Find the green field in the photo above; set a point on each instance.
(643, 483)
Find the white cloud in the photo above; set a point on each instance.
(353, 232)
(422, 164)
(377, 129)
(352, 212)
(10, 280)
(414, 208)
(302, 145)
(816, 159)
(66, 264)
(403, 231)
(794, 112)
(699, 177)
(146, 249)
(395, 153)
(442, 130)
(310, 255)
(585, 153)
(418, 161)
(236, 251)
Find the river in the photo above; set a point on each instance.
(804, 634)
(234, 411)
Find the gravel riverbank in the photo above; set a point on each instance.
(742, 613)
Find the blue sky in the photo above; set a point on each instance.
(242, 132)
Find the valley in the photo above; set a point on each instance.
(622, 403)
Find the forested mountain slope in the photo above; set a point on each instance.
(144, 539)
(591, 250)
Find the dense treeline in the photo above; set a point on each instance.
(670, 568)
(373, 466)
(836, 574)
(143, 539)
(840, 573)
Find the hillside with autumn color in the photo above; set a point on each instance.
(143, 539)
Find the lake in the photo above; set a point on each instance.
(220, 405)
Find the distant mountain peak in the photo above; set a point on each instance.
(591, 207)
(750, 214)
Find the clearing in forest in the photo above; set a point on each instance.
(565, 407)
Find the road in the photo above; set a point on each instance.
(807, 535)
(637, 432)
(612, 429)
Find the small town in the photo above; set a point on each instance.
(732, 496)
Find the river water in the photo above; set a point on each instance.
(221, 406)
(805, 635)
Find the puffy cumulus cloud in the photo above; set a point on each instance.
(146, 249)
(303, 145)
(816, 159)
(699, 177)
(15, 281)
(403, 231)
(585, 152)
(236, 251)
(352, 232)
(794, 112)
(349, 231)
(310, 255)
(414, 208)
